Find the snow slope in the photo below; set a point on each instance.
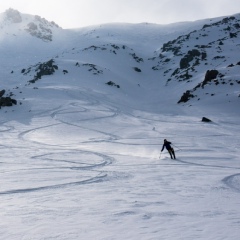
(80, 158)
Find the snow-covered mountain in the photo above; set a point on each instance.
(13, 22)
(84, 113)
(145, 59)
(212, 48)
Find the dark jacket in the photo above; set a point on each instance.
(167, 145)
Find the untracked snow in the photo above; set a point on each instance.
(80, 159)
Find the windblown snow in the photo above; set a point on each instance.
(80, 151)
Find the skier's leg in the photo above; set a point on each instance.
(170, 153)
(173, 153)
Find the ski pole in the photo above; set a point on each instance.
(160, 155)
(177, 147)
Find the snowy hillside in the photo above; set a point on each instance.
(83, 116)
(140, 58)
(212, 48)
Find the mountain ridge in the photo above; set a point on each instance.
(34, 25)
(144, 60)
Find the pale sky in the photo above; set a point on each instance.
(81, 13)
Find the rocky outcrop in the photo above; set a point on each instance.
(186, 96)
(6, 101)
(41, 28)
(188, 54)
(46, 68)
(2, 92)
(13, 16)
(204, 119)
(185, 61)
(111, 83)
(209, 76)
(35, 25)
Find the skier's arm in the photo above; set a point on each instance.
(163, 147)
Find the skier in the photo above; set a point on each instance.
(169, 148)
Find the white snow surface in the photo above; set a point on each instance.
(81, 160)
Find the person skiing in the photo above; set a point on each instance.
(169, 148)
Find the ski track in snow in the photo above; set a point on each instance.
(64, 150)
(80, 159)
(109, 113)
(233, 181)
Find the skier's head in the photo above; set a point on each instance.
(165, 140)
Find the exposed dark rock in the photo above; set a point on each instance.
(204, 55)
(209, 76)
(14, 101)
(169, 46)
(47, 68)
(110, 83)
(186, 96)
(2, 92)
(223, 21)
(233, 35)
(204, 119)
(95, 48)
(136, 58)
(184, 62)
(218, 57)
(208, 49)
(176, 71)
(93, 68)
(185, 76)
(137, 69)
(167, 60)
(6, 101)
